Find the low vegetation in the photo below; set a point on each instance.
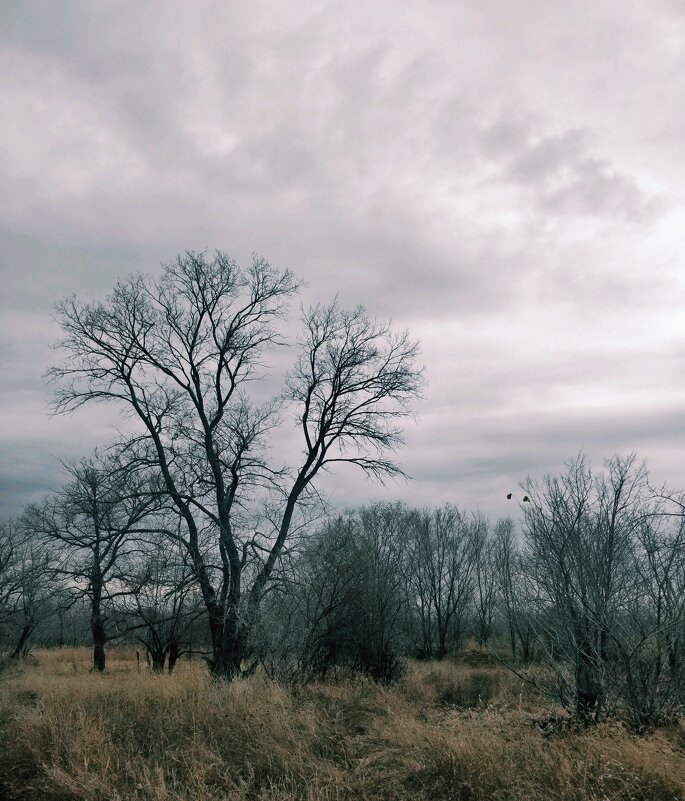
(456, 729)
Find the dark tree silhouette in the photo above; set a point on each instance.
(178, 352)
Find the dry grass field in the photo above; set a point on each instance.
(452, 730)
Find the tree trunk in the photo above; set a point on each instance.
(174, 653)
(512, 636)
(229, 651)
(588, 687)
(97, 627)
(158, 661)
(442, 646)
(99, 642)
(527, 647)
(21, 646)
(231, 635)
(223, 622)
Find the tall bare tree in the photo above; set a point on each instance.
(514, 591)
(441, 564)
(485, 587)
(178, 352)
(580, 529)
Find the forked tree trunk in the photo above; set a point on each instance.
(229, 652)
(229, 632)
(158, 659)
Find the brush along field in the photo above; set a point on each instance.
(451, 730)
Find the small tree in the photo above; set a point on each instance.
(344, 604)
(314, 616)
(92, 521)
(39, 590)
(484, 579)
(440, 571)
(382, 536)
(649, 638)
(178, 353)
(159, 603)
(28, 587)
(580, 530)
(514, 592)
(10, 584)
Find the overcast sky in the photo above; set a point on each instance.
(505, 178)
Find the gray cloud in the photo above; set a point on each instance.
(503, 179)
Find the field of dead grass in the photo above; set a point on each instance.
(452, 730)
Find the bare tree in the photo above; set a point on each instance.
(10, 583)
(382, 536)
(484, 578)
(159, 603)
(514, 592)
(344, 604)
(39, 589)
(313, 617)
(178, 352)
(649, 637)
(29, 590)
(93, 520)
(441, 573)
(579, 530)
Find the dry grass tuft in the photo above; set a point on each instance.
(448, 731)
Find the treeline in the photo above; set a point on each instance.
(194, 521)
(584, 596)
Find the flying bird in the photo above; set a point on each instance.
(526, 499)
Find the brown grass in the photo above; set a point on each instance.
(448, 731)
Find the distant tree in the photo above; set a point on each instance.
(514, 591)
(40, 589)
(649, 638)
(580, 529)
(314, 616)
(10, 587)
(441, 573)
(29, 590)
(382, 537)
(344, 603)
(11, 581)
(91, 522)
(158, 602)
(178, 353)
(485, 588)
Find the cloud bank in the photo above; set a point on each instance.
(502, 179)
